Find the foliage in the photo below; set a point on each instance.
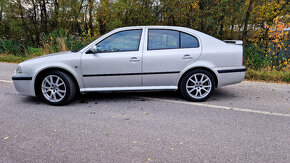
(36, 27)
(253, 57)
(12, 47)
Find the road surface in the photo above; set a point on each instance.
(246, 122)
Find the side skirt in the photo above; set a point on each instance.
(141, 88)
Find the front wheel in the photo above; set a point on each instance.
(197, 85)
(56, 88)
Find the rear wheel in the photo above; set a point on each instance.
(197, 85)
(56, 88)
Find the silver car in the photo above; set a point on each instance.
(142, 58)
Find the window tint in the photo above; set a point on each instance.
(163, 39)
(121, 41)
(188, 41)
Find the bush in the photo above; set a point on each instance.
(12, 47)
(254, 57)
(34, 51)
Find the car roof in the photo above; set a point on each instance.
(155, 26)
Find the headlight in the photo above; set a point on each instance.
(18, 70)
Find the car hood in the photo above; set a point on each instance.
(51, 55)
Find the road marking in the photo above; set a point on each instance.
(222, 107)
(207, 105)
(6, 81)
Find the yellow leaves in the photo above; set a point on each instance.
(195, 5)
(149, 159)
(6, 138)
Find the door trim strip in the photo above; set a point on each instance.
(123, 74)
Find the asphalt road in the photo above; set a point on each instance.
(246, 122)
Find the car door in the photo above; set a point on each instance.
(166, 54)
(117, 62)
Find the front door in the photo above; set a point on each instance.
(117, 62)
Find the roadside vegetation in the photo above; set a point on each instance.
(31, 28)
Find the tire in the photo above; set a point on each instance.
(60, 91)
(197, 89)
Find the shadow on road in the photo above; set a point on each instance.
(219, 94)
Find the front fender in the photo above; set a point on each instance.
(73, 70)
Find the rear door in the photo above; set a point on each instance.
(166, 53)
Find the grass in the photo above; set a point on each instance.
(12, 58)
(257, 75)
(270, 76)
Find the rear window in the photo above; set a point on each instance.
(188, 41)
(159, 39)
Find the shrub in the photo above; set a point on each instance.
(12, 47)
(254, 57)
(34, 51)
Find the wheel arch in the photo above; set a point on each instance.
(199, 68)
(45, 70)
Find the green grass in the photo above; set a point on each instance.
(271, 76)
(259, 75)
(12, 58)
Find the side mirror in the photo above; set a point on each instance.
(92, 50)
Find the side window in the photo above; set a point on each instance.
(121, 41)
(188, 41)
(163, 39)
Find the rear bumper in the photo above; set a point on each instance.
(23, 84)
(230, 75)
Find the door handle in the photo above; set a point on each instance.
(134, 59)
(187, 56)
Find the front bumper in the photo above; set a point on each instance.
(230, 75)
(23, 84)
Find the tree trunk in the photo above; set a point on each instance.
(90, 3)
(43, 14)
(56, 12)
(248, 14)
(22, 19)
(35, 23)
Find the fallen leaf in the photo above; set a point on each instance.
(158, 139)
(149, 159)
(134, 142)
(146, 113)
(15, 136)
(49, 145)
(171, 149)
(180, 143)
(6, 138)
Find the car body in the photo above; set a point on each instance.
(137, 59)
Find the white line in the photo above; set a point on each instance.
(6, 81)
(222, 107)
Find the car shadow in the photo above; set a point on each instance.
(96, 97)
